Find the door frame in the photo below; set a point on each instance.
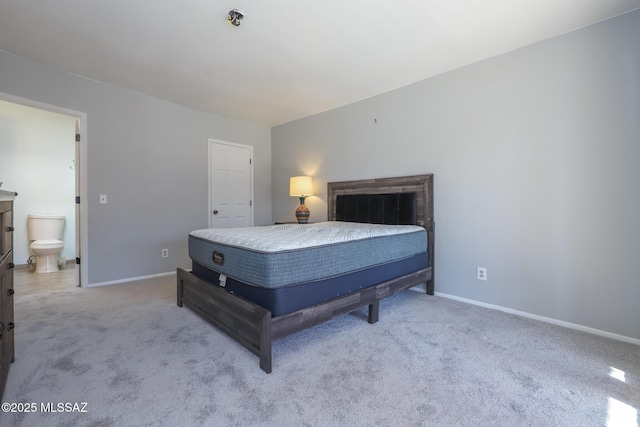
(210, 143)
(81, 174)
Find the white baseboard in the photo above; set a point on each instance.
(419, 288)
(569, 325)
(130, 279)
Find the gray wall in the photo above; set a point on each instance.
(536, 156)
(150, 157)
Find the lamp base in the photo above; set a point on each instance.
(302, 213)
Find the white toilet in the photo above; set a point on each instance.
(45, 235)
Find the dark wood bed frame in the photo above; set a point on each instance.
(254, 327)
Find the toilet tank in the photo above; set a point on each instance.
(45, 227)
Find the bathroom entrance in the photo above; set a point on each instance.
(40, 160)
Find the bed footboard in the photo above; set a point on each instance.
(247, 323)
(254, 327)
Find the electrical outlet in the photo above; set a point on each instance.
(165, 253)
(482, 273)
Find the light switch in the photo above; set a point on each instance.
(103, 199)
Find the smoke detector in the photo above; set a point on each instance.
(235, 17)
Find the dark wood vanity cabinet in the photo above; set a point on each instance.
(7, 353)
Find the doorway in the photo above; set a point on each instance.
(57, 163)
(230, 185)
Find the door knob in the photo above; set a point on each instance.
(215, 212)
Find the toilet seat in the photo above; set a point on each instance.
(46, 244)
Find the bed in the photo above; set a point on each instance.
(379, 240)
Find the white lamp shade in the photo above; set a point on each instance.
(300, 186)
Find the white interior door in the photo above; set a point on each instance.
(231, 185)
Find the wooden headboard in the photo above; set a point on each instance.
(417, 192)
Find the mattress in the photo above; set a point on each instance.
(292, 254)
(288, 299)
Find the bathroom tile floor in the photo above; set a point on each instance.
(27, 282)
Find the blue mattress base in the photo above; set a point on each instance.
(288, 299)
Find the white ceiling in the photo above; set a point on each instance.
(288, 59)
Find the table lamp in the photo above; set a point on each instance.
(301, 186)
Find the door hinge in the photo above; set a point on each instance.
(77, 200)
(249, 161)
(78, 260)
(250, 202)
(77, 137)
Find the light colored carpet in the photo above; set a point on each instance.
(137, 359)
